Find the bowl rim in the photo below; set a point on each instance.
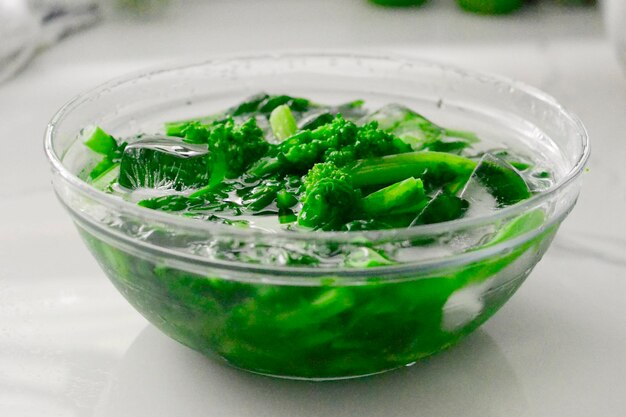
(182, 222)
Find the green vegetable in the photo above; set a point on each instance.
(339, 142)
(329, 199)
(232, 148)
(436, 169)
(101, 142)
(283, 123)
(398, 196)
(392, 168)
(307, 166)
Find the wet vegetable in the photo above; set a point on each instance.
(310, 166)
(288, 163)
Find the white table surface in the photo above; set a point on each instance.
(71, 346)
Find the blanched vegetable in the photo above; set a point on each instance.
(312, 166)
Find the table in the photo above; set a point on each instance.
(71, 346)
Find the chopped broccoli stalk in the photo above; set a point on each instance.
(176, 128)
(101, 142)
(104, 144)
(107, 178)
(101, 167)
(283, 123)
(264, 104)
(396, 196)
(436, 169)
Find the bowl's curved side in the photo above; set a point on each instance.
(327, 331)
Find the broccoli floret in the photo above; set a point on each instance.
(232, 147)
(332, 198)
(329, 200)
(340, 142)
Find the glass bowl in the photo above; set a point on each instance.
(240, 294)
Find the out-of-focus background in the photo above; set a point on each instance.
(71, 346)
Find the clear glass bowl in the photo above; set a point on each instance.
(228, 292)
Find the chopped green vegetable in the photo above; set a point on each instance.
(402, 194)
(392, 168)
(101, 142)
(277, 162)
(283, 123)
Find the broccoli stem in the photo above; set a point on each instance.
(265, 166)
(101, 142)
(395, 196)
(432, 167)
(283, 123)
